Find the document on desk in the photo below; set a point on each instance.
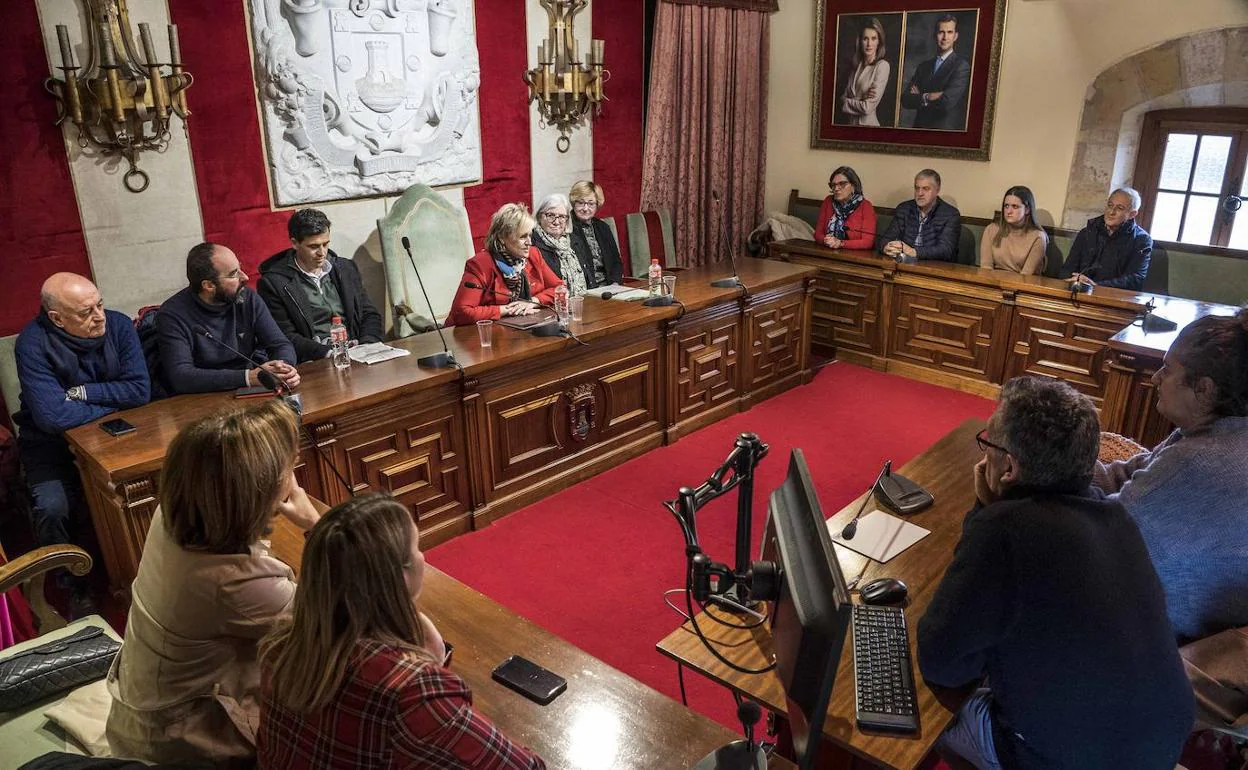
(375, 353)
(880, 535)
(620, 292)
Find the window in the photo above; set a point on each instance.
(1191, 172)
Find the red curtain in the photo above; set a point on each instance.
(618, 130)
(707, 126)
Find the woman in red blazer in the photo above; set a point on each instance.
(509, 273)
(846, 219)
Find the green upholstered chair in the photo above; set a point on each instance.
(10, 386)
(650, 236)
(441, 244)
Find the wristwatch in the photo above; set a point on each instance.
(76, 393)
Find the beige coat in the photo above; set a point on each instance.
(186, 684)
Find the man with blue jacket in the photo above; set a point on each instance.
(1113, 250)
(77, 362)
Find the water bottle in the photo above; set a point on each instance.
(338, 343)
(656, 278)
(563, 308)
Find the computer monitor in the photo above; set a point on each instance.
(811, 614)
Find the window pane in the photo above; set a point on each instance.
(1176, 167)
(1211, 164)
(1198, 226)
(1166, 216)
(1239, 232)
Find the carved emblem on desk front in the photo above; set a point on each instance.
(582, 411)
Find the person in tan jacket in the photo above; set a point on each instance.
(185, 686)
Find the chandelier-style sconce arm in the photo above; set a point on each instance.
(119, 102)
(564, 87)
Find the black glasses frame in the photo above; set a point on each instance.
(981, 439)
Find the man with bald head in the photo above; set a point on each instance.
(77, 362)
(216, 307)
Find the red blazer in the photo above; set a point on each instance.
(859, 228)
(472, 305)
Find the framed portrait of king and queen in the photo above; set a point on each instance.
(907, 76)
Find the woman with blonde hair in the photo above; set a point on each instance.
(508, 276)
(592, 239)
(186, 684)
(355, 677)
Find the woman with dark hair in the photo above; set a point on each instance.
(509, 275)
(355, 676)
(868, 77)
(1015, 241)
(592, 239)
(1188, 494)
(846, 219)
(186, 684)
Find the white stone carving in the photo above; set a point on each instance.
(366, 97)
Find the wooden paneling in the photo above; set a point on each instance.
(947, 331)
(1131, 400)
(846, 312)
(773, 328)
(1050, 340)
(705, 356)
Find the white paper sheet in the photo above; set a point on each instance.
(624, 293)
(880, 536)
(375, 353)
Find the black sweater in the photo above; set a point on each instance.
(1119, 260)
(1053, 597)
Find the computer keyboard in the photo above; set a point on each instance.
(883, 677)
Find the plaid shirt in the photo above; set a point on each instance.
(392, 711)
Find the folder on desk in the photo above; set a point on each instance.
(525, 322)
(880, 536)
(620, 292)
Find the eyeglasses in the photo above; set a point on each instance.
(981, 439)
(839, 185)
(588, 204)
(555, 217)
(1116, 208)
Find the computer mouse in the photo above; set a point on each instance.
(883, 591)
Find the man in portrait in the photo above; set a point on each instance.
(938, 89)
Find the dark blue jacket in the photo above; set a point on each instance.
(48, 364)
(193, 364)
(1053, 597)
(936, 237)
(1119, 260)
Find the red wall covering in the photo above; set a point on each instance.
(618, 130)
(39, 222)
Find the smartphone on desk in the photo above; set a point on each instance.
(117, 427)
(530, 680)
(253, 391)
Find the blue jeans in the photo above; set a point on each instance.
(970, 735)
(54, 497)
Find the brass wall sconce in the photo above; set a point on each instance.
(120, 103)
(564, 87)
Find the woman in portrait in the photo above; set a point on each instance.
(552, 241)
(186, 685)
(509, 275)
(868, 77)
(846, 219)
(1014, 240)
(592, 239)
(356, 676)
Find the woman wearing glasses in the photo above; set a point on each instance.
(506, 278)
(592, 239)
(846, 219)
(551, 240)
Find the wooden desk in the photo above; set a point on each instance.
(945, 470)
(605, 719)
(527, 416)
(974, 329)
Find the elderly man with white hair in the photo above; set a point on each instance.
(1112, 250)
(77, 362)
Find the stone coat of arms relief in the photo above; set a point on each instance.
(366, 97)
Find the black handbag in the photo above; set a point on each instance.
(55, 667)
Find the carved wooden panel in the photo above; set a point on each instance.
(139, 499)
(773, 334)
(551, 420)
(948, 332)
(1130, 405)
(1047, 341)
(417, 457)
(707, 373)
(846, 312)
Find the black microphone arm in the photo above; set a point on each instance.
(446, 357)
(289, 397)
(735, 280)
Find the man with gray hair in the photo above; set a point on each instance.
(927, 227)
(1112, 250)
(1051, 595)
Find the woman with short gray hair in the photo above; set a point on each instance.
(551, 240)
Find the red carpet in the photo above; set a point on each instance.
(592, 562)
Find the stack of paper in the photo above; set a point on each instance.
(375, 353)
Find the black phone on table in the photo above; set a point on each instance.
(253, 391)
(117, 427)
(530, 680)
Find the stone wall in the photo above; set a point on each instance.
(1206, 69)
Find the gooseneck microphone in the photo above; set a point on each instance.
(446, 357)
(851, 528)
(735, 280)
(288, 397)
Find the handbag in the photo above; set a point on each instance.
(55, 667)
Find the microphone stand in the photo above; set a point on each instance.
(446, 357)
(735, 280)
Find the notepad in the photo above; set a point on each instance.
(880, 536)
(375, 353)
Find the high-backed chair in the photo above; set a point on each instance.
(10, 386)
(441, 244)
(650, 236)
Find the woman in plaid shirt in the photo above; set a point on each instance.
(355, 677)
